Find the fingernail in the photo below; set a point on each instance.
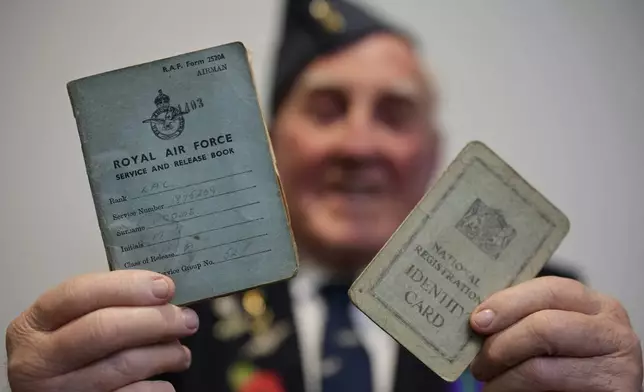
(188, 355)
(190, 318)
(483, 318)
(160, 288)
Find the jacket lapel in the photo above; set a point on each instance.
(285, 360)
(246, 343)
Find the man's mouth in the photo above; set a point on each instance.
(357, 188)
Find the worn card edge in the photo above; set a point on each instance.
(276, 173)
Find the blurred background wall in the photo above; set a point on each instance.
(555, 87)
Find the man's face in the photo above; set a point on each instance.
(355, 144)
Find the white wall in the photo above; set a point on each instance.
(555, 87)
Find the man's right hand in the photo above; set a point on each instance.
(102, 332)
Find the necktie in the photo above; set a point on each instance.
(466, 383)
(345, 363)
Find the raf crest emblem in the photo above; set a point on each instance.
(167, 121)
(486, 228)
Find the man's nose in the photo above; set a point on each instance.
(359, 139)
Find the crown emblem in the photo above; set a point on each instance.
(167, 121)
(162, 100)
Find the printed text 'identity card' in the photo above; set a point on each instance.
(481, 228)
(182, 172)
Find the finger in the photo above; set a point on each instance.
(110, 330)
(148, 386)
(508, 306)
(131, 366)
(549, 333)
(88, 293)
(557, 374)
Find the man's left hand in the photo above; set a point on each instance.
(555, 334)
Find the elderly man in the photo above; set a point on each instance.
(356, 140)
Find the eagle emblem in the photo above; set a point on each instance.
(167, 121)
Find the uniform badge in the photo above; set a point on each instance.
(330, 18)
(250, 317)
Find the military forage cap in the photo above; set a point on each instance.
(313, 28)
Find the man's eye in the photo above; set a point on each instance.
(395, 112)
(327, 106)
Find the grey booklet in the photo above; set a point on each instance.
(182, 172)
(481, 228)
